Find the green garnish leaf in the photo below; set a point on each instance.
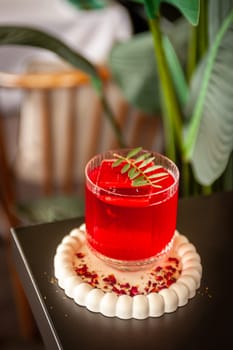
(133, 152)
(139, 173)
(152, 168)
(125, 168)
(133, 173)
(117, 162)
(146, 162)
(138, 182)
(153, 176)
(142, 157)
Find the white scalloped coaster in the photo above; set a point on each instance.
(160, 289)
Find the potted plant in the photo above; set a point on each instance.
(196, 105)
(195, 93)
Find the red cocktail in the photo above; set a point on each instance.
(127, 225)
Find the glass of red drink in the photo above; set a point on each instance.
(130, 226)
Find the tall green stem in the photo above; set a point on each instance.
(170, 147)
(203, 28)
(198, 41)
(171, 106)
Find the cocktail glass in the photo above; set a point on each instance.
(130, 227)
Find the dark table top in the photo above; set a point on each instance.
(204, 323)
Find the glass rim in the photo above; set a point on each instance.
(176, 176)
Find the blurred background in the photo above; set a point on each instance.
(53, 118)
(93, 33)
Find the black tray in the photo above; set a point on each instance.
(204, 323)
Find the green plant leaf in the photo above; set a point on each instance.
(146, 162)
(217, 11)
(134, 70)
(137, 173)
(177, 72)
(140, 182)
(125, 168)
(141, 157)
(209, 140)
(133, 152)
(141, 87)
(117, 162)
(151, 7)
(26, 36)
(189, 8)
(152, 168)
(154, 176)
(178, 33)
(133, 173)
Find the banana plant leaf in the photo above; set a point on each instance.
(177, 73)
(190, 9)
(17, 35)
(217, 11)
(209, 141)
(134, 68)
(178, 33)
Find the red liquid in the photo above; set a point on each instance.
(128, 223)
